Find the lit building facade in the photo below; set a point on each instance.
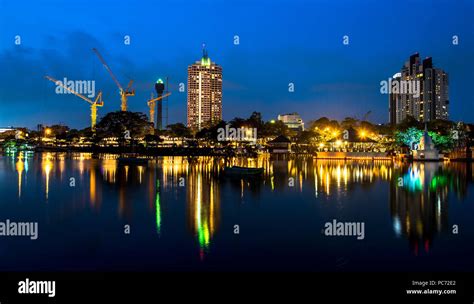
(293, 121)
(204, 93)
(431, 103)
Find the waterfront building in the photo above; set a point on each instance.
(204, 93)
(430, 102)
(351, 141)
(293, 121)
(280, 145)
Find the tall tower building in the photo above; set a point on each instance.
(432, 101)
(204, 93)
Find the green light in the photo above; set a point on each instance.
(158, 213)
(206, 61)
(159, 80)
(158, 207)
(438, 181)
(203, 236)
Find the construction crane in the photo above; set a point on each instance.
(94, 104)
(151, 104)
(366, 116)
(124, 93)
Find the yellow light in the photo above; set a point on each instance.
(334, 133)
(362, 134)
(338, 143)
(47, 131)
(321, 145)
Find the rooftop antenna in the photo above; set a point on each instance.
(166, 94)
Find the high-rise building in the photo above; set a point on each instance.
(204, 93)
(432, 100)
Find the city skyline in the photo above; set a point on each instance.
(330, 79)
(172, 137)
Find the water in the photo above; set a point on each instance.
(182, 214)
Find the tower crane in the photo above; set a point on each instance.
(124, 93)
(151, 104)
(94, 104)
(366, 116)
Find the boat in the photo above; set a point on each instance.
(236, 170)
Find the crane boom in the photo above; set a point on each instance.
(151, 105)
(158, 98)
(94, 104)
(59, 83)
(108, 68)
(124, 93)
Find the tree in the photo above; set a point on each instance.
(178, 130)
(238, 122)
(443, 127)
(413, 135)
(273, 129)
(305, 137)
(124, 125)
(408, 137)
(255, 121)
(72, 135)
(442, 142)
(349, 122)
(409, 122)
(320, 123)
(211, 133)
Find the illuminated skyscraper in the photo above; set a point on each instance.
(204, 93)
(431, 103)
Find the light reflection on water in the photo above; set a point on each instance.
(417, 199)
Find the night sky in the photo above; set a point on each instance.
(280, 42)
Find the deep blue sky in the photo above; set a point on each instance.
(280, 42)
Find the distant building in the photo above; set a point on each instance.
(204, 93)
(432, 101)
(293, 121)
(2, 130)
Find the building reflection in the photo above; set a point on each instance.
(20, 166)
(203, 207)
(419, 201)
(158, 208)
(418, 192)
(47, 166)
(326, 177)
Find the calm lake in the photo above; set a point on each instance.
(184, 214)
